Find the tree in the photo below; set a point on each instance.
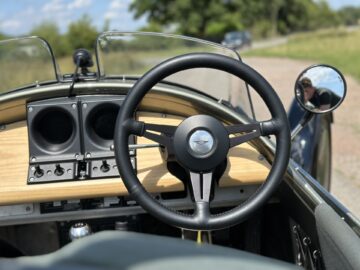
(50, 32)
(2, 36)
(301, 15)
(350, 15)
(212, 18)
(195, 18)
(82, 34)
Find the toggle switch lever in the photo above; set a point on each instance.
(105, 167)
(59, 170)
(38, 172)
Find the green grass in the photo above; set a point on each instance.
(20, 71)
(336, 47)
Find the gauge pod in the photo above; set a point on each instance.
(99, 118)
(53, 130)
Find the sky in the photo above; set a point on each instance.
(19, 17)
(325, 77)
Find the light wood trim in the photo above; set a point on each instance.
(152, 172)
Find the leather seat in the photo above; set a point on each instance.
(126, 250)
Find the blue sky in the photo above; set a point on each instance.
(18, 17)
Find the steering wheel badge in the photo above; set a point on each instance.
(201, 142)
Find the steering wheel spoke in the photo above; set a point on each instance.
(201, 186)
(161, 134)
(164, 136)
(251, 131)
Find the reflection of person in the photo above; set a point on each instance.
(315, 97)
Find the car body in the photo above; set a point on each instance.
(237, 40)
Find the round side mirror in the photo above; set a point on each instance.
(320, 89)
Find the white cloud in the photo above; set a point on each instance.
(11, 24)
(116, 8)
(118, 4)
(111, 14)
(54, 6)
(79, 4)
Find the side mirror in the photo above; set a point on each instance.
(320, 89)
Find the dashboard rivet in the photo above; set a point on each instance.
(84, 106)
(33, 159)
(73, 105)
(33, 168)
(76, 155)
(95, 168)
(114, 167)
(30, 109)
(112, 147)
(69, 171)
(31, 179)
(49, 172)
(88, 155)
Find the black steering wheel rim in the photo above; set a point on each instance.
(278, 126)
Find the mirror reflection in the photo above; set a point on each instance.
(320, 89)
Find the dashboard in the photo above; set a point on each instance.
(60, 160)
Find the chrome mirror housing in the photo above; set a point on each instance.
(320, 89)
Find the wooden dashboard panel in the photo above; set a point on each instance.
(244, 167)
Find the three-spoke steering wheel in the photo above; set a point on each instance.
(200, 143)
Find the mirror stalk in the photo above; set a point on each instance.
(303, 122)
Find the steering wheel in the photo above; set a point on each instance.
(200, 143)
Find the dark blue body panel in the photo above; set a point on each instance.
(304, 146)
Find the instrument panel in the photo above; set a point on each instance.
(84, 126)
(72, 139)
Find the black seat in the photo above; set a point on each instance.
(125, 250)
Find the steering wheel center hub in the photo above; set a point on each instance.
(201, 142)
(206, 143)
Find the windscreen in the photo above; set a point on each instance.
(127, 55)
(25, 61)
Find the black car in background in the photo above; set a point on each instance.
(237, 40)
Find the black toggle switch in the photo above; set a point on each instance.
(38, 172)
(105, 167)
(59, 171)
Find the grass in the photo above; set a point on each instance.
(336, 47)
(16, 73)
(116, 62)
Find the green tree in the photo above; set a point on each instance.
(195, 18)
(82, 34)
(50, 32)
(212, 18)
(350, 15)
(2, 36)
